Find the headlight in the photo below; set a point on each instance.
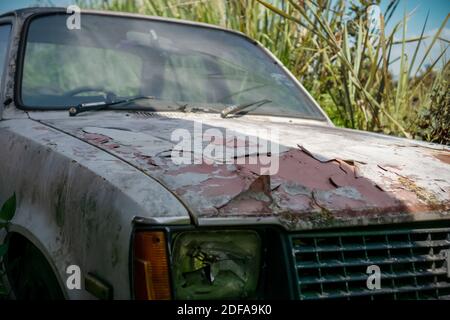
(216, 264)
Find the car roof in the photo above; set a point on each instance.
(26, 12)
(30, 10)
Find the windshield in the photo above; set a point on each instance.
(172, 62)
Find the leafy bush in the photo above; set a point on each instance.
(434, 122)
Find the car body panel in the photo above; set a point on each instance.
(78, 201)
(327, 176)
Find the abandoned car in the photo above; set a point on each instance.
(165, 159)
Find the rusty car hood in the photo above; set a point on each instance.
(327, 176)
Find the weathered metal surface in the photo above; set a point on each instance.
(327, 176)
(77, 203)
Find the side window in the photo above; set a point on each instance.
(4, 42)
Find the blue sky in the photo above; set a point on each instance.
(438, 9)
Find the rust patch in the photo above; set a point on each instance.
(444, 157)
(420, 192)
(306, 187)
(261, 184)
(147, 159)
(96, 138)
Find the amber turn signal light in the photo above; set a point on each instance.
(151, 267)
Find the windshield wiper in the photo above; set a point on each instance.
(193, 108)
(238, 108)
(92, 106)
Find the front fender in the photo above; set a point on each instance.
(77, 203)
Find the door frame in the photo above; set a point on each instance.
(8, 20)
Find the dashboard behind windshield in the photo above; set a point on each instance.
(175, 62)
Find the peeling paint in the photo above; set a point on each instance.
(444, 157)
(344, 180)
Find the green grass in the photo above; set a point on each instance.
(336, 58)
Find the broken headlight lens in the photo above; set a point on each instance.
(216, 264)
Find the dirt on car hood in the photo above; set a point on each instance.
(326, 176)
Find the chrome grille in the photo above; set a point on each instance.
(413, 264)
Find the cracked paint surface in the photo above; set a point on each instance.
(326, 175)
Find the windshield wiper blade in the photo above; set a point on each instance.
(92, 106)
(238, 108)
